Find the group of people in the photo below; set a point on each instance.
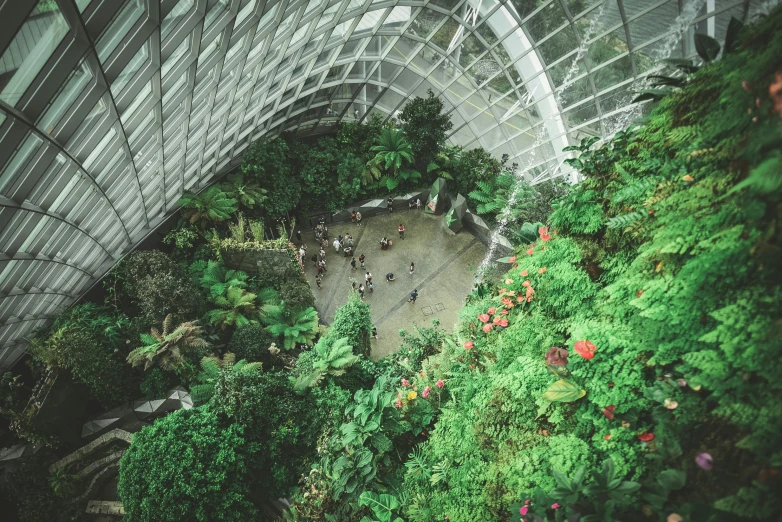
(411, 204)
(345, 244)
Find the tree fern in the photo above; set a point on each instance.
(237, 307)
(294, 328)
(164, 349)
(333, 358)
(213, 368)
(218, 280)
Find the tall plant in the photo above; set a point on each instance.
(165, 349)
(237, 307)
(394, 152)
(210, 206)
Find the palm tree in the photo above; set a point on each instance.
(238, 308)
(445, 161)
(299, 327)
(247, 193)
(210, 205)
(164, 349)
(217, 279)
(371, 172)
(214, 369)
(393, 150)
(332, 359)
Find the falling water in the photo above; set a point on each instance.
(504, 216)
(632, 111)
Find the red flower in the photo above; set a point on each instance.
(492, 310)
(504, 322)
(484, 318)
(543, 231)
(469, 345)
(545, 237)
(506, 301)
(512, 259)
(530, 251)
(608, 411)
(520, 299)
(524, 273)
(487, 327)
(607, 437)
(585, 349)
(530, 291)
(497, 320)
(526, 283)
(645, 437)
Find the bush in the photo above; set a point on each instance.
(187, 466)
(252, 343)
(354, 321)
(156, 383)
(426, 126)
(296, 294)
(149, 285)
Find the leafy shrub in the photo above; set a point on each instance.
(296, 294)
(252, 343)
(353, 321)
(156, 383)
(187, 466)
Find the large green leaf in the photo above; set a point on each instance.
(563, 391)
(732, 35)
(708, 48)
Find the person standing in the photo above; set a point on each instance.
(412, 268)
(314, 260)
(410, 204)
(352, 216)
(350, 240)
(335, 244)
(319, 266)
(413, 296)
(298, 235)
(418, 203)
(371, 287)
(353, 285)
(322, 254)
(358, 218)
(361, 291)
(361, 259)
(353, 263)
(374, 332)
(401, 230)
(318, 281)
(390, 205)
(368, 278)
(341, 240)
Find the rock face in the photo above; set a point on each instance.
(438, 200)
(454, 217)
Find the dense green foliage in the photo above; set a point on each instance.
(426, 128)
(187, 466)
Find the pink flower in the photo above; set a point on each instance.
(506, 301)
(530, 291)
(439, 383)
(398, 403)
(469, 345)
(504, 322)
(520, 299)
(497, 320)
(543, 230)
(555, 506)
(512, 259)
(526, 283)
(492, 310)
(542, 270)
(405, 383)
(425, 393)
(524, 273)
(545, 237)
(484, 318)
(509, 281)
(682, 383)
(704, 461)
(506, 311)
(530, 251)
(523, 510)
(487, 327)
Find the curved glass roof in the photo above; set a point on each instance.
(111, 109)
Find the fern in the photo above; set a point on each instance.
(625, 220)
(634, 190)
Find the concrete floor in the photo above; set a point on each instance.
(442, 273)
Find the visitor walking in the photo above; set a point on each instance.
(390, 204)
(413, 296)
(353, 263)
(335, 244)
(358, 218)
(371, 287)
(368, 278)
(341, 240)
(314, 259)
(353, 285)
(319, 266)
(374, 332)
(352, 216)
(361, 259)
(350, 240)
(318, 281)
(412, 268)
(361, 291)
(410, 204)
(418, 203)
(322, 254)
(322, 264)
(390, 277)
(401, 230)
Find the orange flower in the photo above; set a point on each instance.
(526, 283)
(524, 273)
(506, 301)
(530, 291)
(688, 178)
(543, 231)
(542, 270)
(530, 251)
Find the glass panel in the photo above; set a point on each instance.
(119, 28)
(130, 70)
(79, 78)
(175, 16)
(28, 52)
(174, 58)
(215, 12)
(20, 159)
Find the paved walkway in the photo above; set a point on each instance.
(442, 273)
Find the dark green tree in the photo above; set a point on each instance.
(270, 164)
(187, 466)
(426, 128)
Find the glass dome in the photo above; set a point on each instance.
(110, 109)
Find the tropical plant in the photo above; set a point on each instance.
(442, 165)
(237, 307)
(426, 126)
(494, 197)
(210, 206)
(294, 327)
(166, 349)
(217, 279)
(246, 192)
(213, 369)
(383, 506)
(371, 171)
(332, 358)
(394, 152)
